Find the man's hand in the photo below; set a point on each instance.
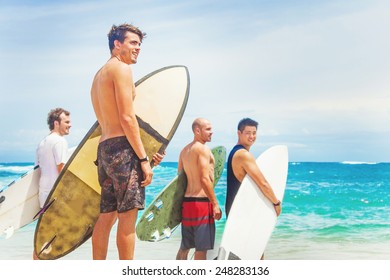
(278, 209)
(157, 158)
(217, 213)
(148, 173)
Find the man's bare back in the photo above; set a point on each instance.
(104, 97)
(198, 162)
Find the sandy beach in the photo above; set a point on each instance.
(19, 247)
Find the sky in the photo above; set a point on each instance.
(314, 74)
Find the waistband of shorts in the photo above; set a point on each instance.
(196, 199)
(112, 140)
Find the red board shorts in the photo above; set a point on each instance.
(120, 176)
(197, 227)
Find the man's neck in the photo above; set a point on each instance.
(55, 132)
(246, 147)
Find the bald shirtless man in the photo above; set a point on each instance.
(200, 206)
(123, 166)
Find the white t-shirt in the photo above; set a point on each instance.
(51, 151)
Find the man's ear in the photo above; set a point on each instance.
(117, 44)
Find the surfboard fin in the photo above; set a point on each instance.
(46, 248)
(167, 232)
(2, 198)
(155, 236)
(43, 210)
(9, 232)
(233, 256)
(159, 204)
(230, 256)
(221, 253)
(149, 216)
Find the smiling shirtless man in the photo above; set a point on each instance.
(123, 166)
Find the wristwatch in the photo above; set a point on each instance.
(277, 203)
(144, 159)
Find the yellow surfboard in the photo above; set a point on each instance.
(72, 208)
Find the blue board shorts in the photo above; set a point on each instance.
(120, 176)
(198, 226)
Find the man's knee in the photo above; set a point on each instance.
(200, 255)
(182, 254)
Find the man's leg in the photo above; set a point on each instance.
(200, 255)
(101, 235)
(125, 237)
(182, 254)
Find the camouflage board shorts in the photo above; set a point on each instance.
(120, 176)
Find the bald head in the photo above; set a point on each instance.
(202, 130)
(198, 123)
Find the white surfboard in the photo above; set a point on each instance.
(252, 217)
(21, 202)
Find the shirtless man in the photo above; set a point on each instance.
(123, 166)
(200, 206)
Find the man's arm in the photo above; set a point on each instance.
(248, 163)
(123, 85)
(59, 167)
(180, 164)
(207, 180)
(60, 154)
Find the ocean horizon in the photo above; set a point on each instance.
(331, 210)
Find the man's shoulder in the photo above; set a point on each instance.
(117, 67)
(54, 138)
(242, 154)
(113, 68)
(201, 148)
(195, 149)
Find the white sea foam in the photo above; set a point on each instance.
(358, 162)
(16, 169)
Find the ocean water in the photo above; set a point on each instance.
(330, 210)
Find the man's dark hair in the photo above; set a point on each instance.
(246, 122)
(54, 115)
(119, 33)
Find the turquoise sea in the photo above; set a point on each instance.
(337, 210)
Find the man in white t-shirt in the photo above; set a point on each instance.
(52, 151)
